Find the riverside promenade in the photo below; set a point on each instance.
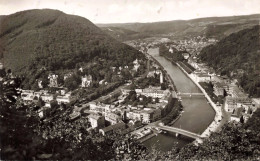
(216, 123)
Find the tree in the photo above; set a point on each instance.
(40, 102)
(72, 82)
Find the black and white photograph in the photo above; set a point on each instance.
(130, 80)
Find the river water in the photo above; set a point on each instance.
(197, 115)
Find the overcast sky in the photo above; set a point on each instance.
(121, 11)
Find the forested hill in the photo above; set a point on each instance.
(33, 39)
(217, 27)
(237, 56)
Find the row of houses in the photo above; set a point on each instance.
(30, 95)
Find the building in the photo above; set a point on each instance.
(256, 102)
(236, 114)
(219, 89)
(53, 80)
(27, 95)
(153, 92)
(40, 84)
(152, 73)
(149, 116)
(136, 64)
(74, 115)
(113, 128)
(86, 81)
(134, 115)
(64, 99)
(186, 55)
(236, 92)
(112, 118)
(125, 91)
(232, 103)
(96, 121)
(202, 77)
(47, 97)
(67, 76)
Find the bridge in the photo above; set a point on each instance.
(179, 131)
(191, 94)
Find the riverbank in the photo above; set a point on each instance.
(215, 124)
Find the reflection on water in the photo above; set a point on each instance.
(197, 115)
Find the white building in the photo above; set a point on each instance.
(64, 99)
(86, 81)
(96, 121)
(53, 78)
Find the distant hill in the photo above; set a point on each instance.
(217, 27)
(123, 34)
(50, 39)
(237, 56)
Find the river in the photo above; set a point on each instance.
(197, 115)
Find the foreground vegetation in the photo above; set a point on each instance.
(25, 137)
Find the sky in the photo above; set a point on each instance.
(122, 11)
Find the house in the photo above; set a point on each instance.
(136, 64)
(186, 55)
(112, 118)
(152, 73)
(40, 84)
(232, 103)
(74, 115)
(149, 116)
(125, 91)
(67, 76)
(53, 80)
(113, 128)
(27, 95)
(171, 50)
(134, 115)
(64, 99)
(86, 81)
(236, 114)
(96, 121)
(47, 97)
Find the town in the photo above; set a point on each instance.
(136, 103)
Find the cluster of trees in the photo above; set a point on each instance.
(171, 111)
(237, 56)
(148, 81)
(175, 56)
(134, 100)
(208, 87)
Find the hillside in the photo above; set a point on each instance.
(237, 56)
(217, 27)
(36, 39)
(123, 34)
